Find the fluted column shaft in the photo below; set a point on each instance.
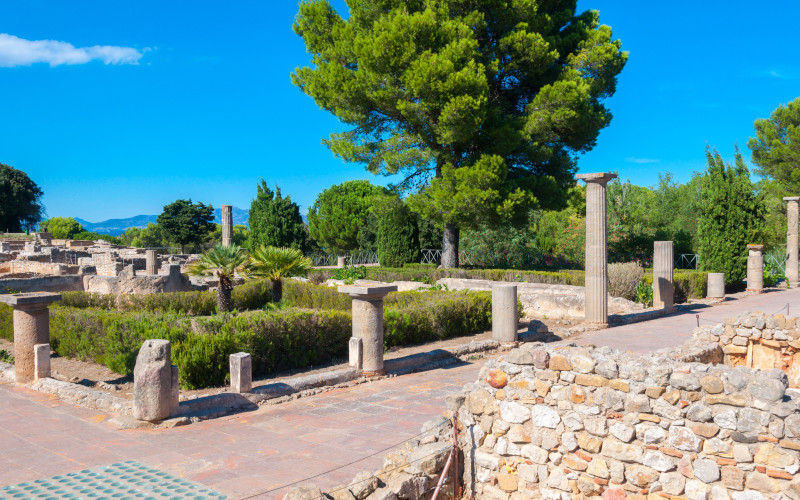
(227, 225)
(663, 264)
(792, 268)
(596, 248)
(755, 268)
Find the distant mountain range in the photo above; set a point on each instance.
(115, 227)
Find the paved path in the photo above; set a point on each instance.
(676, 329)
(239, 455)
(252, 452)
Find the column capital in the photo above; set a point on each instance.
(368, 291)
(31, 300)
(791, 198)
(756, 247)
(599, 177)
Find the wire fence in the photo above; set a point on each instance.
(360, 258)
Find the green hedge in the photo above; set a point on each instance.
(278, 340)
(688, 285)
(426, 273)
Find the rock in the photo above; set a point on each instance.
(591, 380)
(363, 485)
(761, 482)
(479, 402)
(652, 434)
(487, 460)
(582, 363)
(716, 446)
(748, 495)
(623, 432)
(666, 410)
(598, 468)
(535, 454)
(773, 456)
(588, 487)
(545, 416)
(719, 493)
(497, 379)
(620, 451)
(589, 443)
(569, 441)
(577, 394)
(154, 398)
(705, 430)
(560, 363)
(705, 470)
(542, 387)
(696, 490)
(514, 413)
(607, 368)
(573, 420)
(767, 389)
(305, 492)
(733, 478)
(637, 403)
(614, 494)
(528, 473)
(507, 482)
(596, 426)
(339, 493)
(751, 420)
(641, 475)
(558, 480)
(684, 439)
(672, 483)
(741, 453)
(685, 381)
(726, 419)
(658, 461)
(430, 458)
(517, 434)
(699, 412)
(712, 384)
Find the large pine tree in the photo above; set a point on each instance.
(731, 216)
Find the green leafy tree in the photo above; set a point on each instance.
(340, 212)
(241, 234)
(151, 236)
(277, 263)
(275, 220)
(482, 107)
(223, 263)
(20, 200)
(398, 233)
(730, 217)
(93, 236)
(186, 223)
(62, 227)
(776, 146)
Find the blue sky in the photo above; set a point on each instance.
(140, 103)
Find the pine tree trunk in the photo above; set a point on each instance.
(224, 296)
(450, 246)
(277, 291)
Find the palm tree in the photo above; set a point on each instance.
(222, 262)
(276, 263)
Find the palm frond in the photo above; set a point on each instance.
(276, 263)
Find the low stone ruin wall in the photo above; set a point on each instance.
(540, 300)
(561, 423)
(36, 267)
(128, 282)
(72, 283)
(760, 341)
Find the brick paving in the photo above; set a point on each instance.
(249, 453)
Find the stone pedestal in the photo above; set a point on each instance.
(755, 268)
(241, 372)
(504, 313)
(663, 264)
(151, 262)
(792, 212)
(227, 225)
(41, 361)
(31, 327)
(716, 286)
(341, 262)
(596, 248)
(368, 323)
(155, 382)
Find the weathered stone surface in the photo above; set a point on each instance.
(598, 468)
(672, 483)
(535, 454)
(685, 381)
(712, 384)
(614, 494)
(305, 492)
(767, 389)
(683, 438)
(705, 470)
(623, 432)
(596, 426)
(666, 410)
(621, 451)
(773, 456)
(582, 363)
(487, 460)
(652, 434)
(497, 378)
(705, 430)
(589, 443)
(658, 461)
(726, 419)
(544, 416)
(641, 475)
(430, 458)
(699, 412)
(637, 403)
(733, 478)
(590, 380)
(152, 382)
(559, 362)
(479, 402)
(761, 482)
(726, 399)
(558, 480)
(514, 413)
(507, 482)
(363, 485)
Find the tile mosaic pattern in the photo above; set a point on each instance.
(125, 480)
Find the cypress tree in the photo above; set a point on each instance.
(398, 233)
(731, 215)
(275, 221)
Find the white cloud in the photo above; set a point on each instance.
(631, 159)
(15, 51)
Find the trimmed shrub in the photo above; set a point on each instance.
(398, 235)
(6, 322)
(623, 278)
(688, 285)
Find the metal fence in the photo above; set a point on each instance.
(360, 258)
(686, 261)
(775, 262)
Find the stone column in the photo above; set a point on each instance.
(227, 225)
(155, 382)
(755, 268)
(792, 278)
(41, 362)
(716, 286)
(596, 247)
(151, 262)
(341, 262)
(504, 313)
(368, 323)
(663, 264)
(31, 327)
(241, 372)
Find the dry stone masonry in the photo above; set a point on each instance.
(562, 423)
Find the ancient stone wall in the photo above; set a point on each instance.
(756, 340)
(128, 282)
(575, 422)
(72, 283)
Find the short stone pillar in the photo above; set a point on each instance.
(151, 262)
(715, 286)
(155, 382)
(41, 361)
(227, 225)
(31, 327)
(341, 262)
(504, 313)
(355, 350)
(755, 268)
(596, 248)
(368, 323)
(241, 372)
(792, 215)
(663, 265)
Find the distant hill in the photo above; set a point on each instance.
(115, 227)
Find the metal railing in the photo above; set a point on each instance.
(776, 262)
(686, 261)
(360, 258)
